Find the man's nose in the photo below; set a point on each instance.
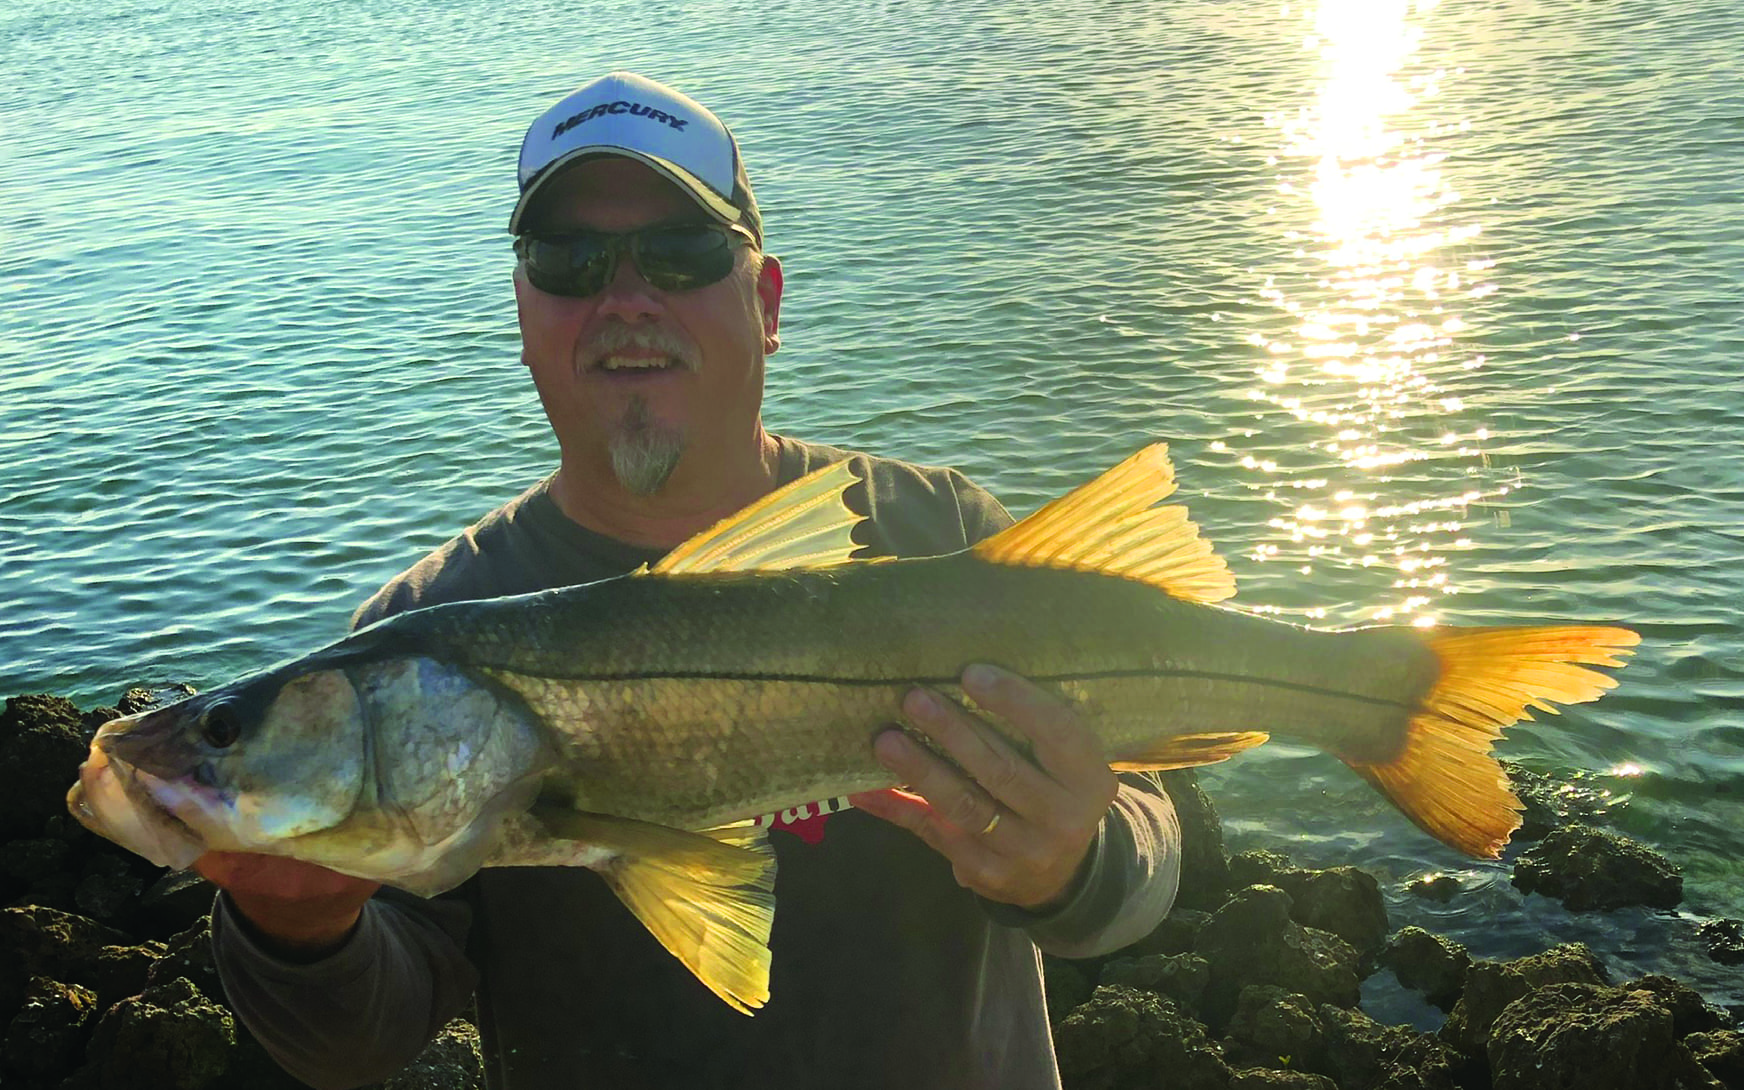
(627, 296)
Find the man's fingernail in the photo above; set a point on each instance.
(981, 676)
(890, 748)
(921, 704)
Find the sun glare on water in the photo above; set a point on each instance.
(1362, 361)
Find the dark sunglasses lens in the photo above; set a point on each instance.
(576, 265)
(682, 258)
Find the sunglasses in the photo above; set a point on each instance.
(681, 257)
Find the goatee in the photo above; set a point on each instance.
(644, 453)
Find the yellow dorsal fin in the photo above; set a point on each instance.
(1443, 777)
(1112, 526)
(805, 524)
(708, 897)
(1188, 751)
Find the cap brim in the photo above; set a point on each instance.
(713, 203)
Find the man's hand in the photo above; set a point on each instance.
(299, 911)
(1014, 831)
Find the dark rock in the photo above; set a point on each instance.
(140, 698)
(44, 1039)
(1491, 985)
(120, 971)
(1175, 935)
(107, 888)
(175, 902)
(1723, 940)
(1362, 1054)
(1126, 1039)
(1592, 1038)
(37, 941)
(1587, 868)
(1253, 940)
(92, 721)
(168, 1038)
(41, 746)
(1343, 900)
(23, 863)
(188, 956)
(1204, 869)
(1690, 1013)
(1428, 963)
(1272, 1028)
(1264, 1078)
(1064, 986)
(1440, 888)
(1549, 804)
(1181, 977)
(451, 1062)
(1721, 1052)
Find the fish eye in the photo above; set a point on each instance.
(220, 726)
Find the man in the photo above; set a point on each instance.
(904, 949)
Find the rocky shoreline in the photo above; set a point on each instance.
(1254, 981)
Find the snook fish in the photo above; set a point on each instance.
(635, 725)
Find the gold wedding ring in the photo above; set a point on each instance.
(992, 823)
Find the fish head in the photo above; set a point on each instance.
(244, 768)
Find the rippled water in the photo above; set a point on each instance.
(1437, 304)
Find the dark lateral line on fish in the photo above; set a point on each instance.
(1102, 675)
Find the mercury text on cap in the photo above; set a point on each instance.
(619, 107)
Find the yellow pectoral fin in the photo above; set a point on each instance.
(708, 897)
(805, 524)
(1189, 750)
(1112, 526)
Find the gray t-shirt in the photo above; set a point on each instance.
(885, 971)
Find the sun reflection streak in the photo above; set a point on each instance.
(1369, 332)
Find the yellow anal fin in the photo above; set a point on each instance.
(1113, 526)
(1444, 778)
(1188, 751)
(805, 524)
(708, 897)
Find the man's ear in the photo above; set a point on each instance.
(769, 294)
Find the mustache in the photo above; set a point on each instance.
(615, 338)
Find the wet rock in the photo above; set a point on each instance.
(1342, 900)
(188, 956)
(1263, 1078)
(450, 1062)
(1439, 888)
(1723, 940)
(1591, 1037)
(1175, 935)
(168, 1038)
(1181, 977)
(1253, 940)
(1126, 1039)
(1690, 1013)
(46, 1036)
(140, 698)
(1721, 1052)
(1204, 868)
(1549, 803)
(1064, 986)
(1587, 868)
(1491, 985)
(1428, 963)
(41, 745)
(1362, 1054)
(1272, 1028)
(107, 887)
(174, 902)
(37, 941)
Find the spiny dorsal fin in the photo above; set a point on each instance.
(1112, 526)
(805, 524)
(709, 897)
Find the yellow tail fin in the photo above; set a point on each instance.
(1444, 779)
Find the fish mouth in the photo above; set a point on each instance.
(120, 803)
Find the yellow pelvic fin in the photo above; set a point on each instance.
(1189, 750)
(708, 897)
(1112, 526)
(1444, 779)
(805, 524)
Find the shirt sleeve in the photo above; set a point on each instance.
(366, 1010)
(1126, 885)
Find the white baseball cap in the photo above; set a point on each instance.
(632, 116)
